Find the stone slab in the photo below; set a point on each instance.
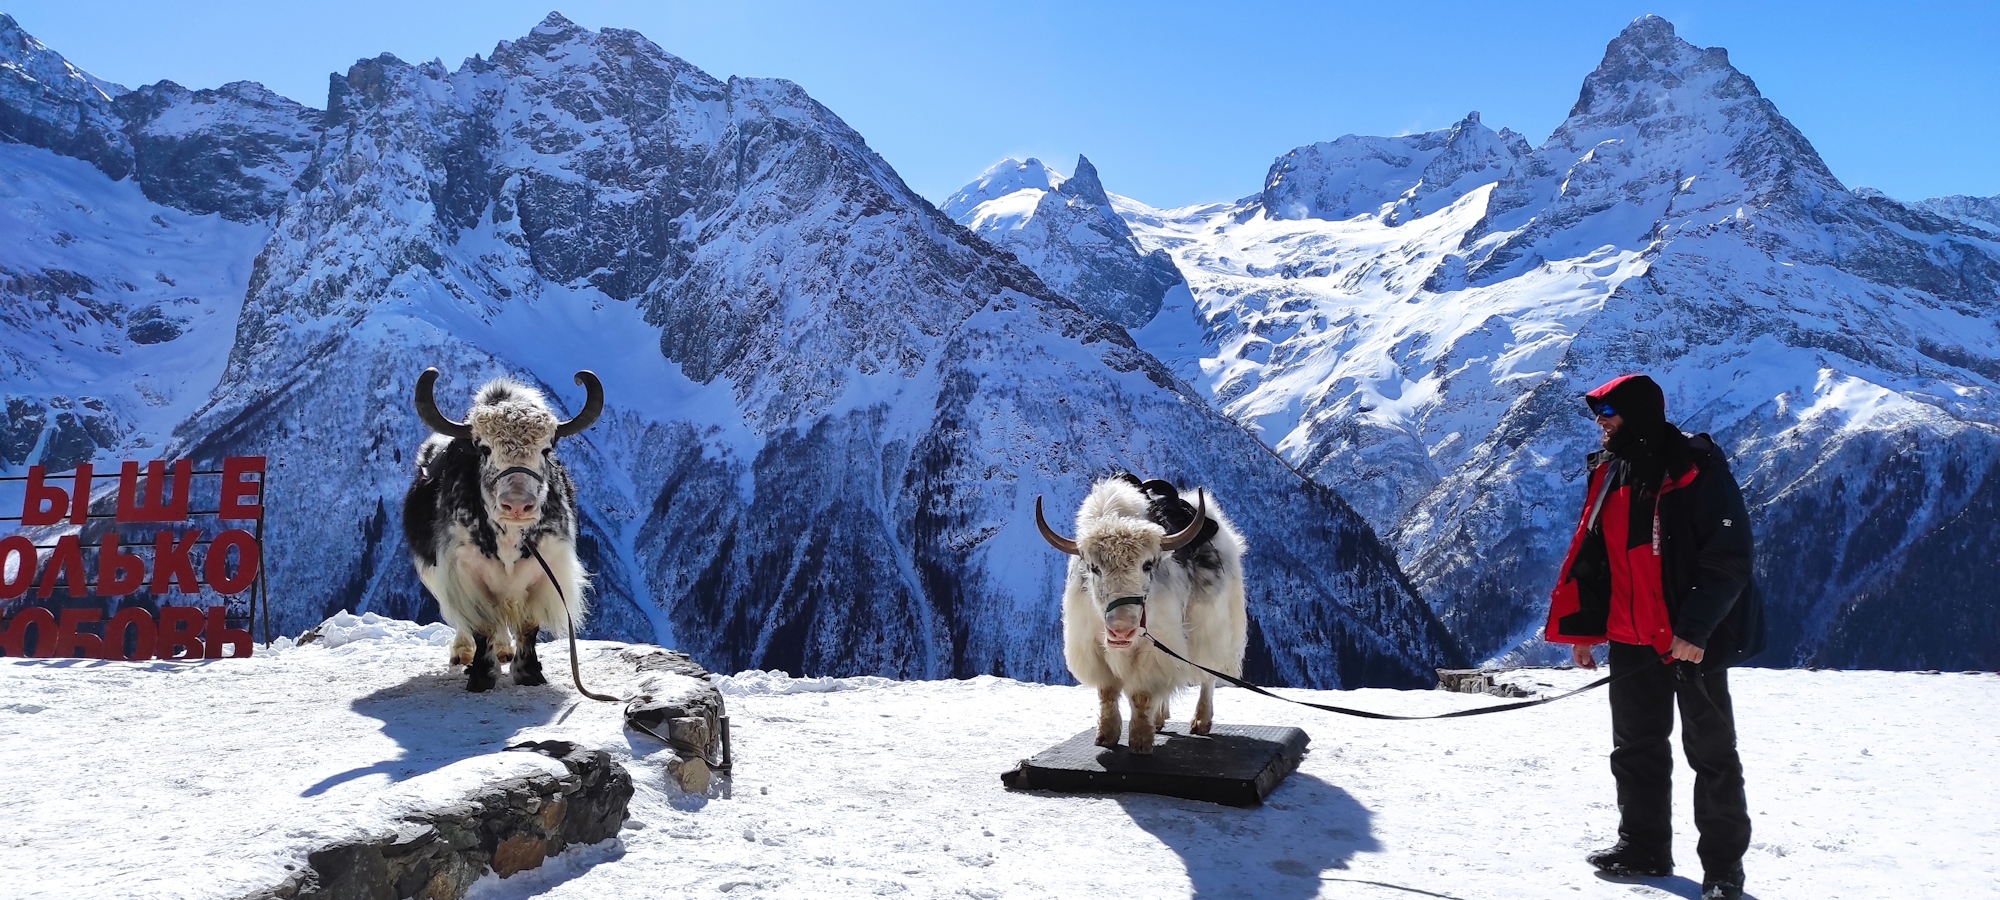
(1234, 765)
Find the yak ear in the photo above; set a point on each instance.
(1130, 479)
(1161, 490)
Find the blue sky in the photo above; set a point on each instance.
(1174, 102)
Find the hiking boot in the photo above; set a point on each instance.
(1724, 886)
(1629, 860)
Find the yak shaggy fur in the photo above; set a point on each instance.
(480, 568)
(1194, 605)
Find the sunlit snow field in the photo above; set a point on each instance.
(204, 779)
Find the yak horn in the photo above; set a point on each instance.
(427, 408)
(1177, 541)
(1049, 534)
(593, 404)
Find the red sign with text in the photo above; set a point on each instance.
(183, 559)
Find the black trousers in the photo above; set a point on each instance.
(1642, 722)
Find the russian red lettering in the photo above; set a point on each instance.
(14, 636)
(215, 569)
(118, 572)
(148, 501)
(141, 622)
(220, 635)
(67, 561)
(72, 640)
(172, 563)
(180, 631)
(242, 499)
(44, 504)
(19, 552)
(79, 496)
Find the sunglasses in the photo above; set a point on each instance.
(1601, 410)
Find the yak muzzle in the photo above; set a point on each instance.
(1123, 618)
(517, 494)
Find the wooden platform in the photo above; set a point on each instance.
(1234, 765)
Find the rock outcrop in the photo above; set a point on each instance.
(507, 829)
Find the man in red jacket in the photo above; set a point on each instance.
(1659, 566)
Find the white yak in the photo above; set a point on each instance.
(1128, 573)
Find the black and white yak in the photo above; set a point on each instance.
(1144, 558)
(489, 493)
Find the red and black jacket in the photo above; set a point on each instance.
(1681, 566)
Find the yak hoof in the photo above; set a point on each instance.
(529, 675)
(1199, 727)
(504, 655)
(1139, 749)
(480, 680)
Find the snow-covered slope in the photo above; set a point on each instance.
(864, 787)
(1411, 320)
(829, 407)
(118, 312)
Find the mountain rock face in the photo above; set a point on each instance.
(46, 102)
(1982, 213)
(1358, 175)
(1421, 344)
(829, 409)
(235, 150)
(1066, 230)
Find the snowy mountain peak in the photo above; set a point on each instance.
(1084, 184)
(1066, 230)
(1647, 31)
(556, 23)
(1002, 178)
(1682, 99)
(1646, 65)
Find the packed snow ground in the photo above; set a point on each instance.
(168, 780)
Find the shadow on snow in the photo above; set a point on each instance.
(437, 722)
(1277, 851)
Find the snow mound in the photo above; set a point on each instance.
(754, 683)
(347, 628)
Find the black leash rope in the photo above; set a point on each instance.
(576, 672)
(1365, 714)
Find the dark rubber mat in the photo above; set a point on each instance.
(1234, 765)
